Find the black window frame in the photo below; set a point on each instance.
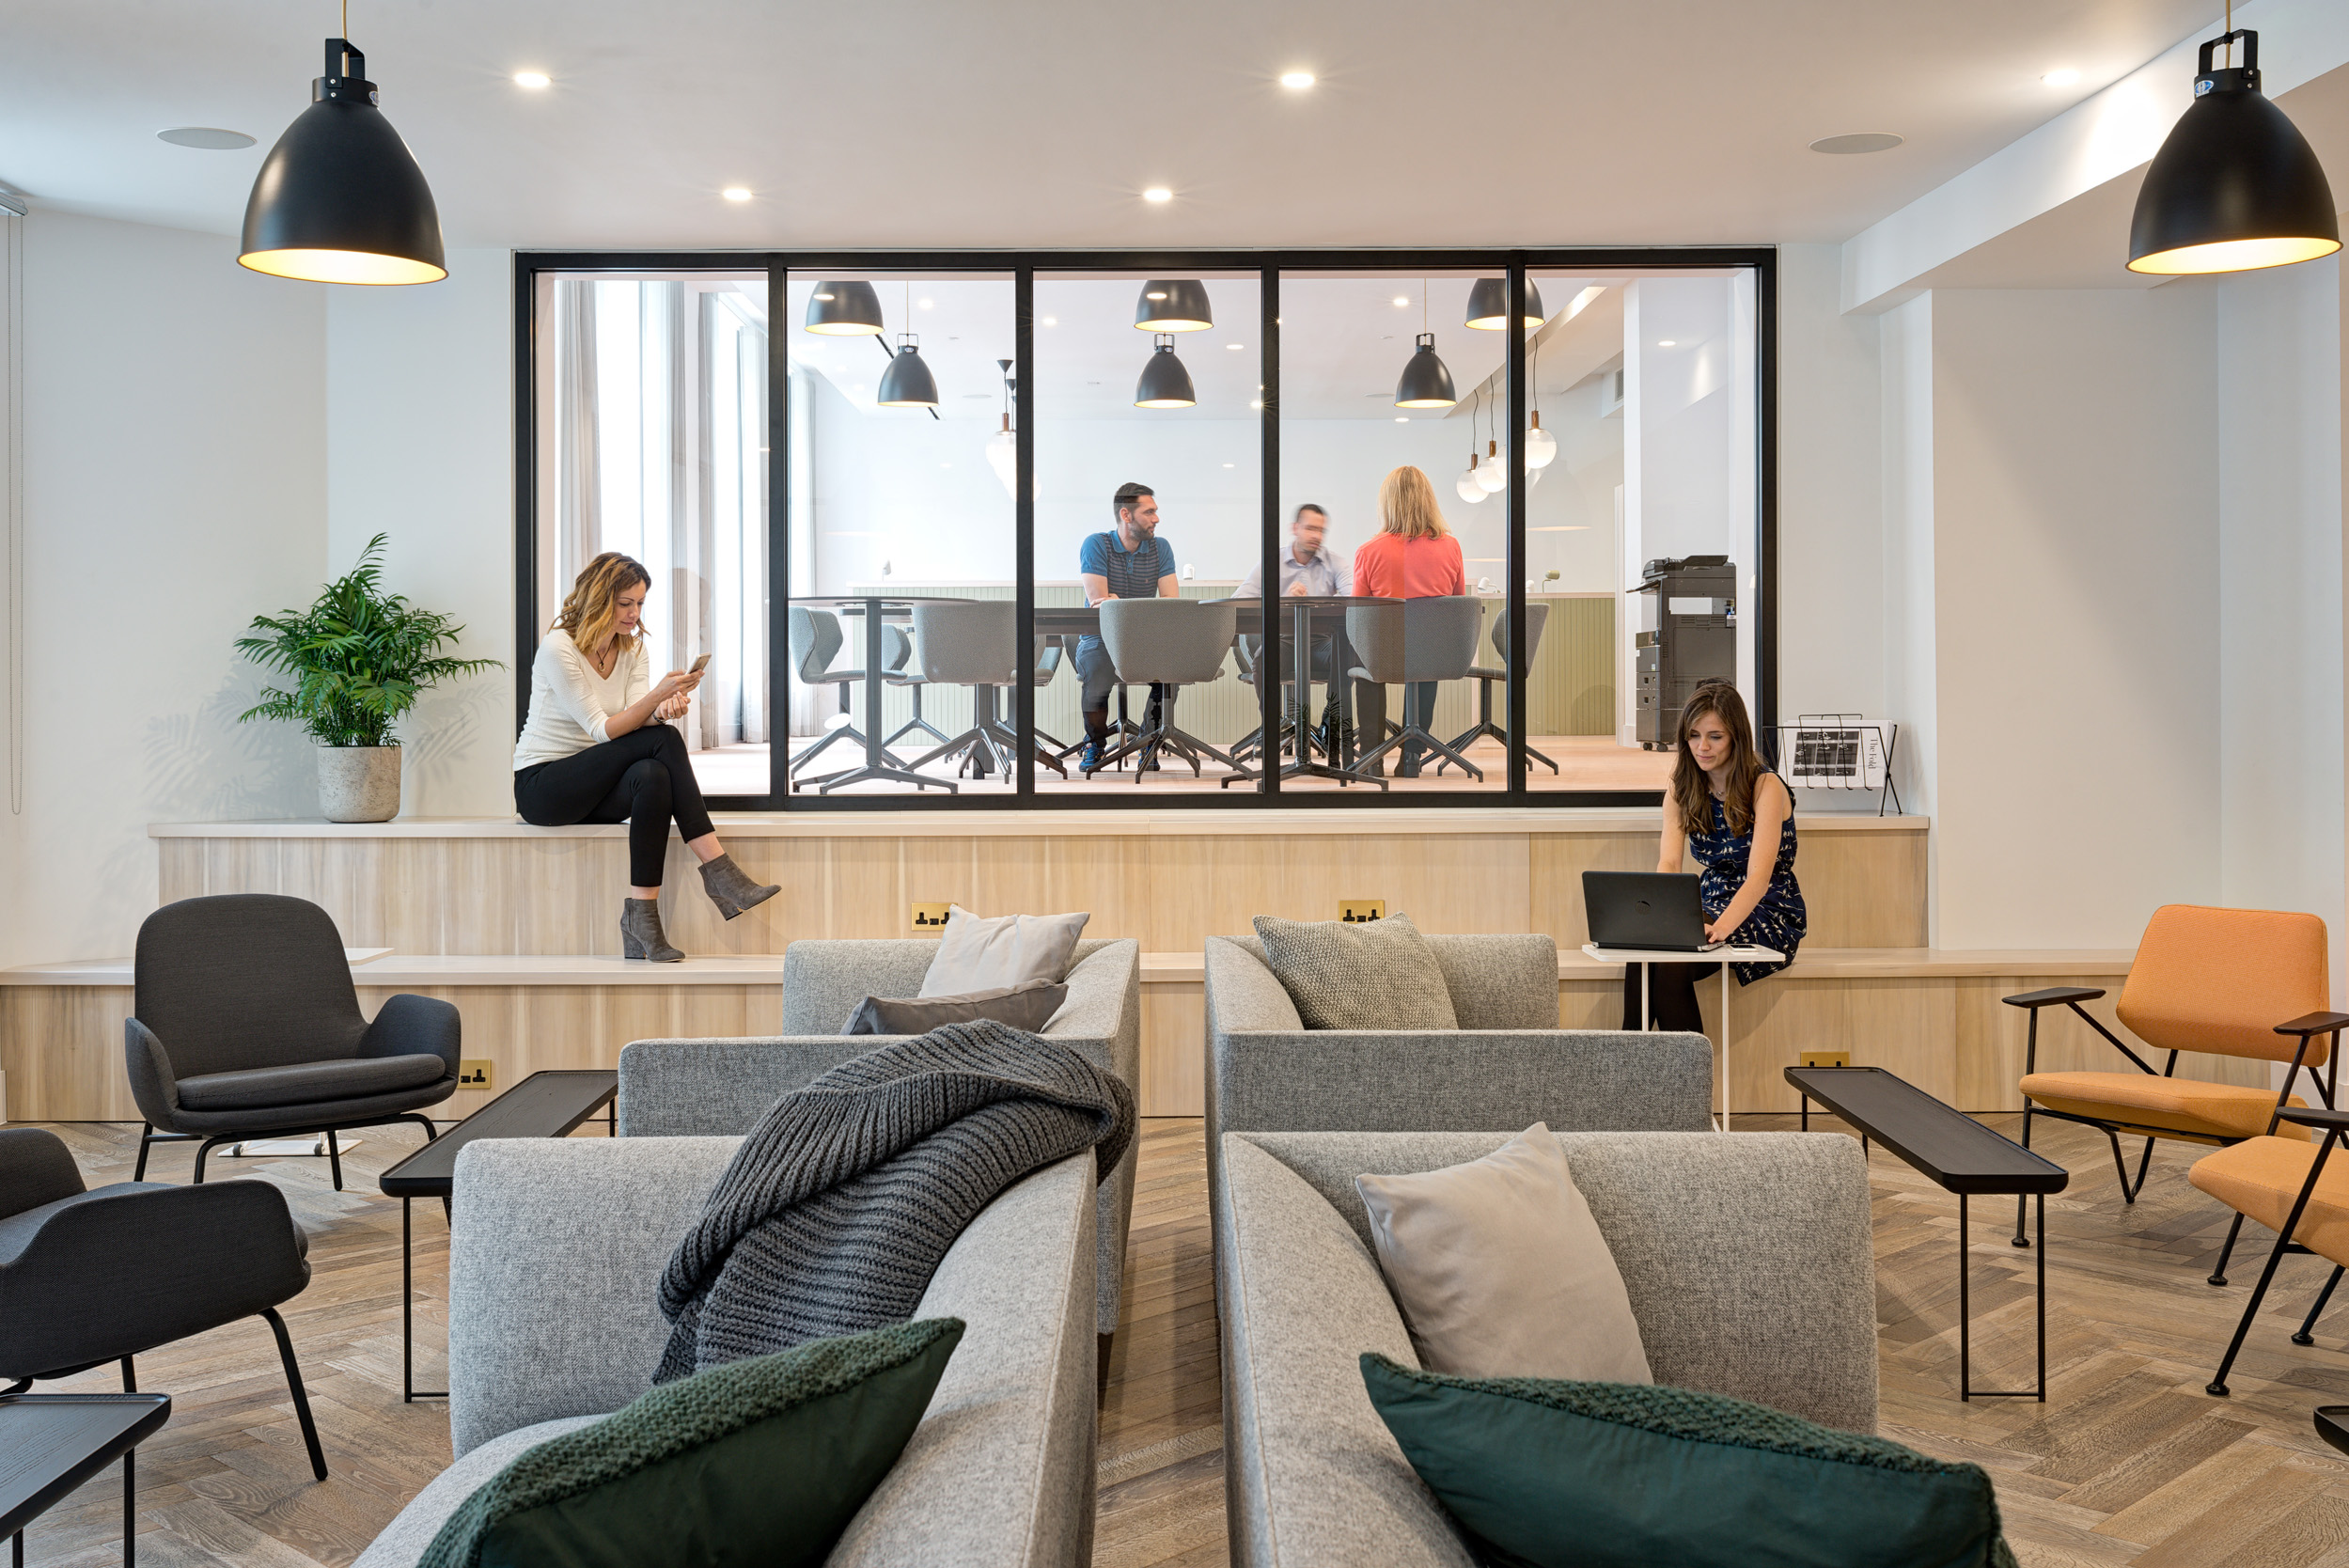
(1025, 266)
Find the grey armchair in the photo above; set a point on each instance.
(248, 1025)
(720, 1087)
(88, 1277)
(1507, 1065)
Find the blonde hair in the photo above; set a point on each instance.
(1406, 506)
(590, 612)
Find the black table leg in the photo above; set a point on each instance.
(1966, 1391)
(130, 1509)
(407, 1310)
(1965, 1315)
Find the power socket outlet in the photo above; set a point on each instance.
(1827, 1059)
(476, 1073)
(1357, 912)
(929, 919)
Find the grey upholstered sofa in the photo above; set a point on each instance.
(555, 1251)
(1507, 1065)
(720, 1087)
(1746, 1258)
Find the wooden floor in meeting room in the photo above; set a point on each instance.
(2129, 1462)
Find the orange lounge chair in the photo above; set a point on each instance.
(2282, 1182)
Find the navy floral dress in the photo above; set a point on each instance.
(1777, 922)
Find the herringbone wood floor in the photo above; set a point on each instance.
(2128, 1463)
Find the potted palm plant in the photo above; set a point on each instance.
(357, 658)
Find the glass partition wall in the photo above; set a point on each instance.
(1218, 529)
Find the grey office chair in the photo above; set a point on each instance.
(88, 1278)
(1536, 615)
(970, 643)
(248, 1025)
(1173, 643)
(816, 639)
(897, 649)
(1407, 644)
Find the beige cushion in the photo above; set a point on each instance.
(1379, 974)
(1012, 949)
(1029, 1007)
(1501, 1272)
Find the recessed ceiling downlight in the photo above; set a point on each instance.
(209, 138)
(1864, 141)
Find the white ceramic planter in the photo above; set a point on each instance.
(358, 783)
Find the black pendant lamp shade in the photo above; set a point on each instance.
(1165, 383)
(2235, 186)
(339, 198)
(1488, 304)
(844, 310)
(1426, 382)
(1173, 304)
(907, 382)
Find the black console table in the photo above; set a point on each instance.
(545, 1105)
(1960, 1155)
(52, 1443)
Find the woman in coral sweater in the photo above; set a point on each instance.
(1412, 556)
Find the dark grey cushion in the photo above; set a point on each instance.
(1380, 974)
(1028, 1006)
(309, 1082)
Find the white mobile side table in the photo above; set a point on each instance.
(1724, 957)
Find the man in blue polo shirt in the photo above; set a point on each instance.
(1129, 561)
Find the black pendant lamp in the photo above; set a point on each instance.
(907, 382)
(1426, 382)
(1165, 383)
(1488, 304)
(339, 200)
(1173, 304)
(844, 310)
(2235, 187)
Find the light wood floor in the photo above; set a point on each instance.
(2129, 1462)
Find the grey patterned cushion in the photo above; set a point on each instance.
(1381, 975)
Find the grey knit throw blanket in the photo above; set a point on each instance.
(839, 1204)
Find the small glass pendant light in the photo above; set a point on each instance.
(339, 200)
(1165, 383)
(1003, 447)
(1173, 304)
(844, 310)
(1470, 487)
(2235, 186)
(1488, 304)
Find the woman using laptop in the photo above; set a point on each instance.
(596, 748)
(1737, 818)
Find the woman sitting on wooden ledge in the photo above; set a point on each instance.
(595, 749)
(1737, 819)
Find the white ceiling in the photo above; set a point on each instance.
(896, 122)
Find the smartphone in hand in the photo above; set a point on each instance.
(699, 664)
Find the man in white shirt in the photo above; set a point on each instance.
(1307, 571)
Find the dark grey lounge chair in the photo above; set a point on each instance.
(248, 1026)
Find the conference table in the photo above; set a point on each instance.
(876, 608)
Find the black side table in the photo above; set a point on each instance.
(545, 1105)
(52, 1443)
(1960, 1155)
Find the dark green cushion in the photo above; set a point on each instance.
(1627, 1475)
(762, 1460)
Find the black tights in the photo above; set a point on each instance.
(1671, 995)
(644, 778)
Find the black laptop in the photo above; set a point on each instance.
(1661, 911)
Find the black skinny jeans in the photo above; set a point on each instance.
(1671, 995)
(644, 778)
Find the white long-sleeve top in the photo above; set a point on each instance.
(571, 704)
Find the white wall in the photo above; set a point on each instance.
(420, 441)
(2280, 647)
(2076, 564)
(174, 486)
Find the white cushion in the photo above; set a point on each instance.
(1501, 1272)
(1010, 950)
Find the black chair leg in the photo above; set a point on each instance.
(2216, 1387)
(301, 1397)
(147, 1136)
(2121, 1164)
(130, 1377)
(2218, 1274)
(334, 1158)
(2308, 1329)
(2020, 1239)
(201, 1149)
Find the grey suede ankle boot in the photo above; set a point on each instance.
(640, 934)
(729, 889)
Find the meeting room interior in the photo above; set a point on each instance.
(1035, 788)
